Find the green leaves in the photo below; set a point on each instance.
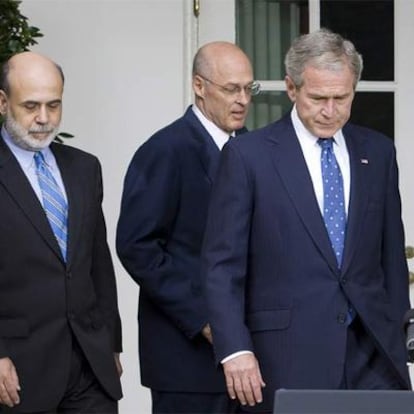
(16, 35)
(59, 137)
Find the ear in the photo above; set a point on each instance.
(3, 102)
(198, 86)
(290, 88)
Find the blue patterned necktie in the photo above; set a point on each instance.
(333, 198)
(54, 203)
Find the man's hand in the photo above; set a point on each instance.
(118, 364)
(9, 383)
(206, 332)
(243, 379)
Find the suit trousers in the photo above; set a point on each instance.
(366, 368)
(83, 395)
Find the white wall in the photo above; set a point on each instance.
(123, 62)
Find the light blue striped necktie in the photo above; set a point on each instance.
(54, 203)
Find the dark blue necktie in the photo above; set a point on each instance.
(333, 198)
(54, 203)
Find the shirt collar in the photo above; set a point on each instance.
(219, 136)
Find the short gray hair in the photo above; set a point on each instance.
(322, 49)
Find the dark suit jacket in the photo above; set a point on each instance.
(44, 302)
(272, 281)
(159, 236)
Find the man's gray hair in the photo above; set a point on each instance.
(322, 49)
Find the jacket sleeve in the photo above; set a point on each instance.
(225, 254)
(394, 262)
(150, 204)
(102, 271)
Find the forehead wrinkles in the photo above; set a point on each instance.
(327, 82)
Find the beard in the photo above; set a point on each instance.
(23, 138)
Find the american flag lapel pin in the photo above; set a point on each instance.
(364, 161)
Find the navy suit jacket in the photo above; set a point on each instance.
(45, 302)
(159, 236)
(271, 276)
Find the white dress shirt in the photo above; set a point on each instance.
(312, 153)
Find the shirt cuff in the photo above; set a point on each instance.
(236, 354)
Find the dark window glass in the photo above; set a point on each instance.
(374, 110)
(369, 24)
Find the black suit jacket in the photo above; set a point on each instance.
(160, 231)
(273, 284)
(44, 302)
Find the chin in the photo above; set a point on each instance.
(33, 144)
(237, 125)
(39, 144)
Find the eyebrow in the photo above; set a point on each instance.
(30, 101)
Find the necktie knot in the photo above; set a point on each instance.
(39, 159)
(326, 143)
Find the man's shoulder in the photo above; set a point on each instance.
(179, 133)
(73, 153)
(367, 135)
(265, 133)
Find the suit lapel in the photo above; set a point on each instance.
(17, 185)
(208, 151)
(359, 166)
(75, 196)
(291, 167)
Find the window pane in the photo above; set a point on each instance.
(265, 30)
(374, 110)
(369, 24)
(267, 107)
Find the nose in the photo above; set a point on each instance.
(42, 116)
(329, 107)
(243, 97)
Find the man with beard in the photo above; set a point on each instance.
(60, 333)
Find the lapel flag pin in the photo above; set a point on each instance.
(364, 161)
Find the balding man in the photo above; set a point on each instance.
(60, 331)
(160, 232)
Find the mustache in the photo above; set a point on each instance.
(44, 129)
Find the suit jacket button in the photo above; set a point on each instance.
(69, 275)
(344, 280)
(341, 318)
(71, 315)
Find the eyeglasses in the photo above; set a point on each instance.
(252, 88)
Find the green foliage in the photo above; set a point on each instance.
(16, 35)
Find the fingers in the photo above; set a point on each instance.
(118, 364)
(244, 380)
(206, 332)
(9, 383)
